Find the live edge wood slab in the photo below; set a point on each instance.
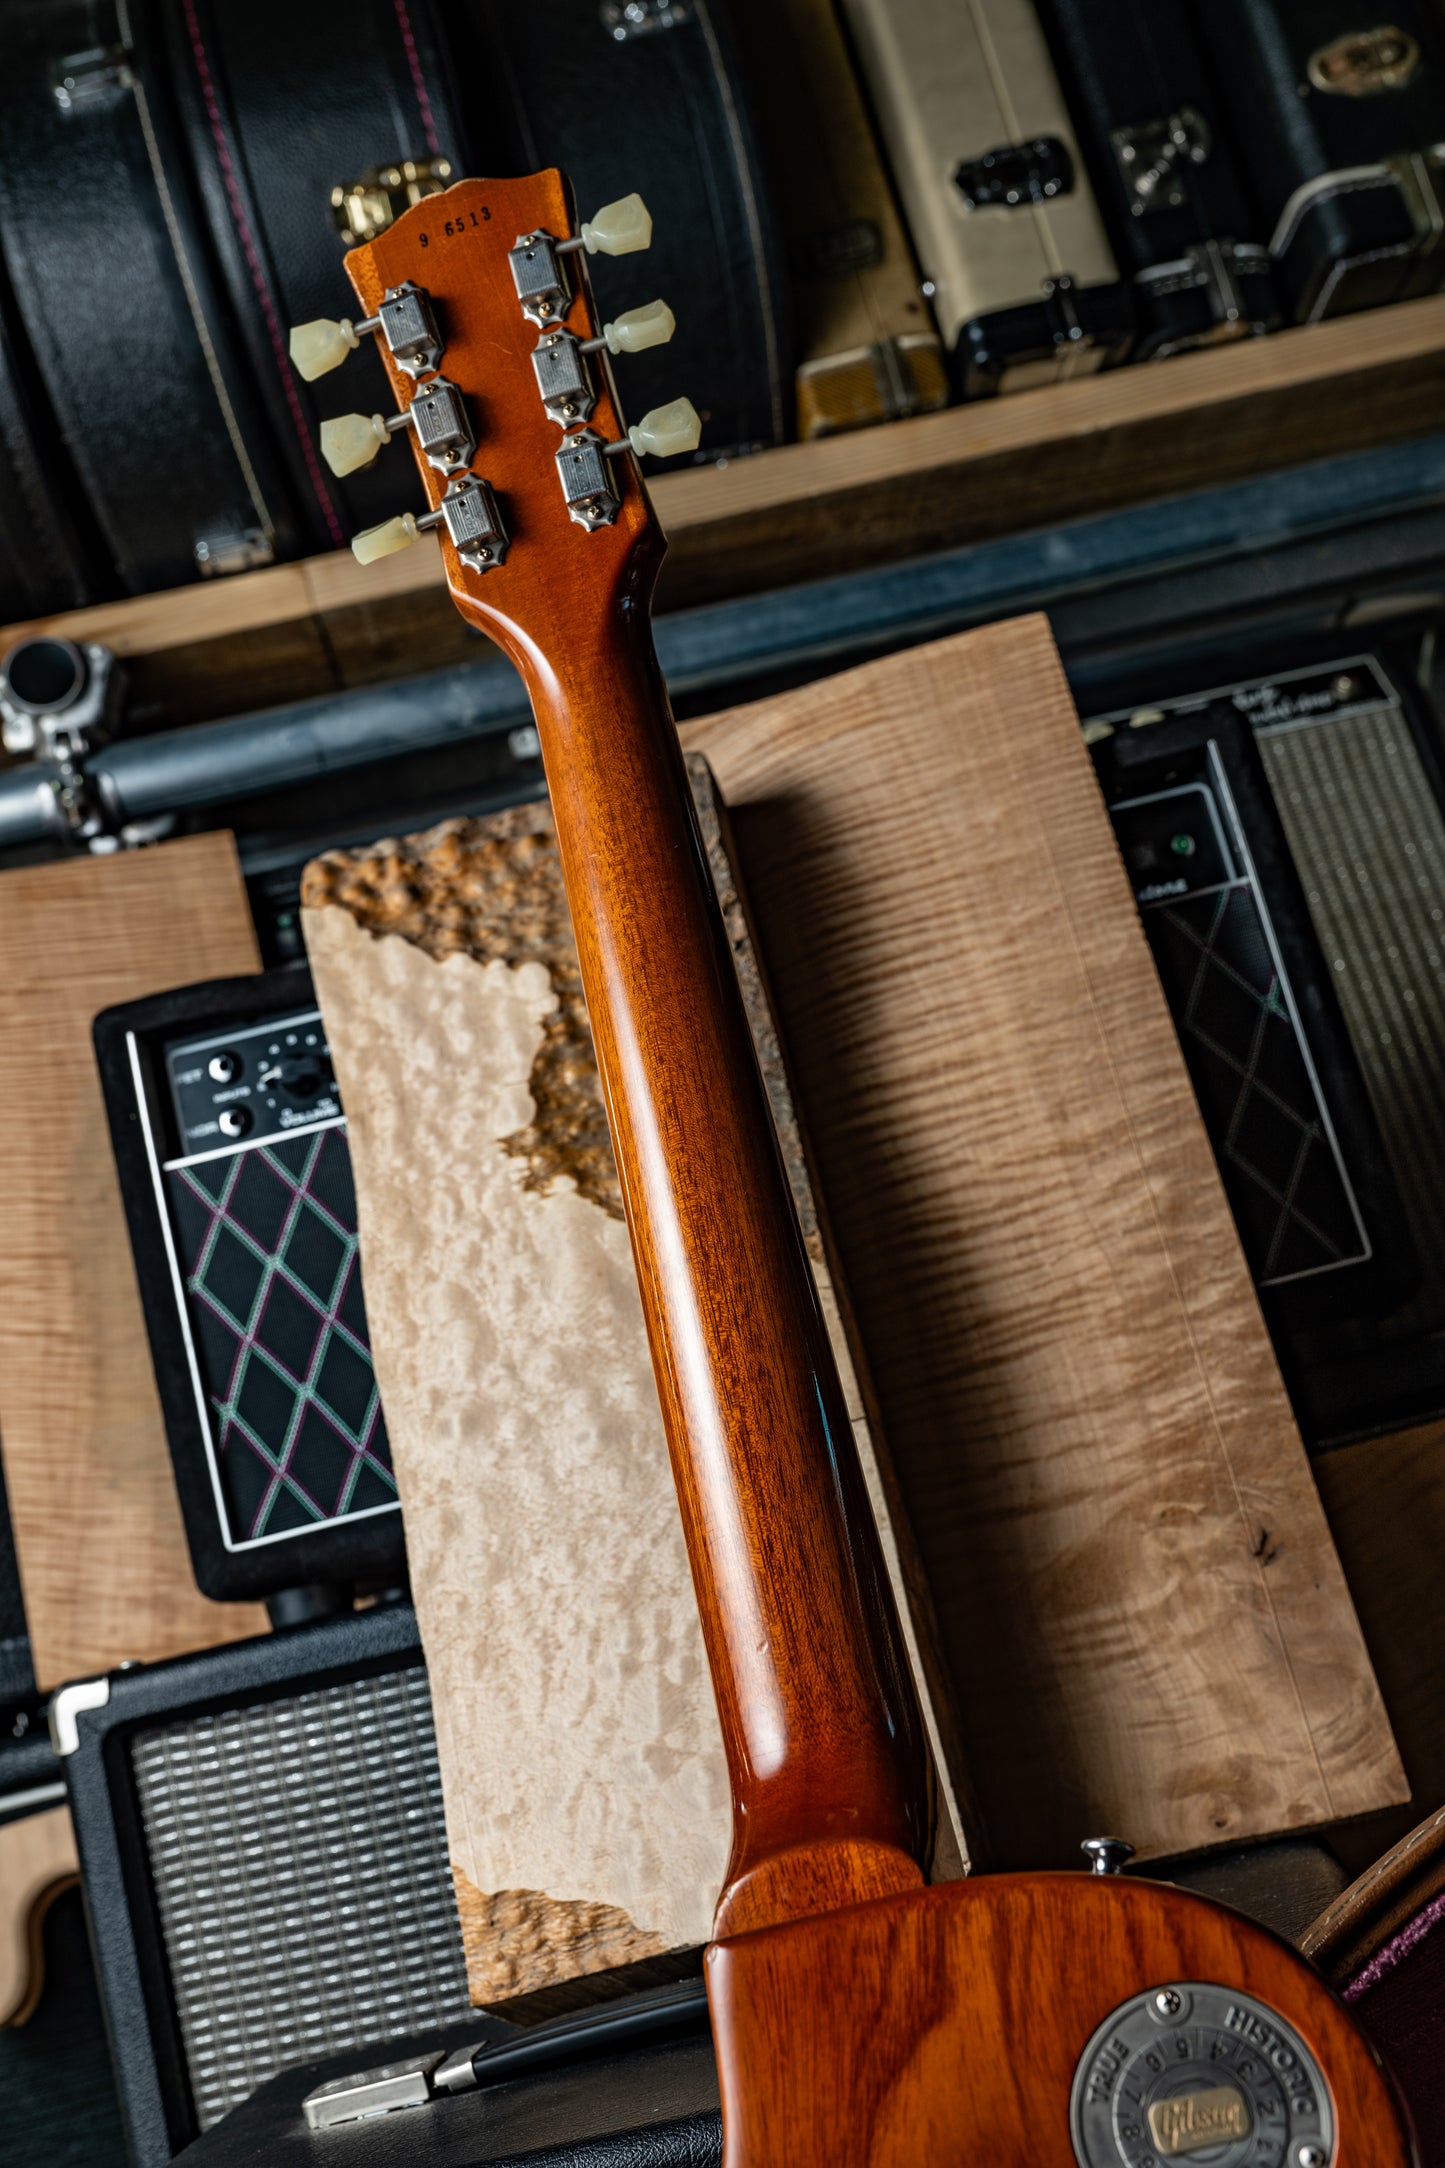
(582, 1766)
(291, 631)
(1145, 1621)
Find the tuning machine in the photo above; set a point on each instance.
(559, 357)
(436, 416)
(582, 455)
(469, 513)
(618, 229)
(405, 320)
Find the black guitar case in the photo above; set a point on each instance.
(652, 98)
(1338, 114)
(50, 559)
(1155, 139)
(112, 278)
(280, 103)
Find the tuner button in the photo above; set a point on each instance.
(320, 346)
(383, 541)
(618, 229)
(667, 430)
(352, 441)
(636, 329)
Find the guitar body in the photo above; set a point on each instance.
(948, 2027)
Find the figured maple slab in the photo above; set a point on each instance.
(103, 1561)
(1141, 1608)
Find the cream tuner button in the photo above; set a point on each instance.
(618, 229)
(653, 324)
(351, 441)
(321, 346)
(667, 430)
(382, 541)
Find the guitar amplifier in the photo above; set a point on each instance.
(1286, 842)
(1154, 139)
(230, 1144)
(1339, 115)
(1025, 284)
(264, 1860)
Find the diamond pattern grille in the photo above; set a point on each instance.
(268, 1249)
(1284, 1180)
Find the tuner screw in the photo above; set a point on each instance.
(618, 229)
(353, 440)
(385, 540)
(667, 430)
(636, 329)
(318, 347)
(1169, 2002)
(1310, 2156)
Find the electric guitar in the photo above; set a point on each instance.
(862, 2019)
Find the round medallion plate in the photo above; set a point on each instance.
(1192, 2072)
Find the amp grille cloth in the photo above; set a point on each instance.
(1367, 836)
(299, 1856)
(268, 1244)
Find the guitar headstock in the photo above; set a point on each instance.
(481, 309)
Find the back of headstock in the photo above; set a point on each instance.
(482, 313)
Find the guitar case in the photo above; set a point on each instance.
(129, 332)
(1339, 117)
(48, 560)
(280, 104)
(654, 98)
(1154, 138)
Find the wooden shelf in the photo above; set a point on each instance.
(968, 474)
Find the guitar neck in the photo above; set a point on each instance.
(819, 1718)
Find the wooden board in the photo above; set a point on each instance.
(103, 1561)
(37, 1862)
(1144, 1618)
(1386, 1505)
(934, 482)
(586, 1790)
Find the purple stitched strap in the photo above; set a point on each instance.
(1393, 1952)
(258, 278)
(418, 80)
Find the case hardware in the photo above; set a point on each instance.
(365, 207)
(626, 19)
(1365, 63)
(1016, 173)
(1152, 157)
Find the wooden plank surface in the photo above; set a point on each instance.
(1145, 1620)
(1385, 1500)
(586, 1790)
(103, 1561)
(939, 480)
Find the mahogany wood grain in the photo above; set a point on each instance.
(821, 1730)
(980, 1998)
(859, 2018)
